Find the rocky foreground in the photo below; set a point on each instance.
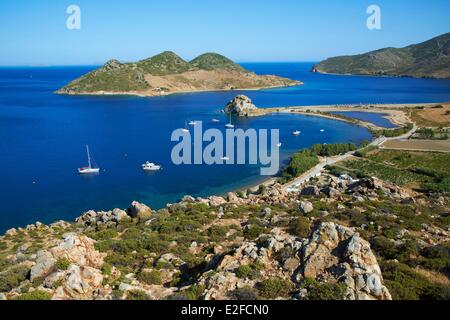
(325, 241)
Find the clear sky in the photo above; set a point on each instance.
(34, 32)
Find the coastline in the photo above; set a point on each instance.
(164, 94)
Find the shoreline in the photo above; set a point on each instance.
(164, 94)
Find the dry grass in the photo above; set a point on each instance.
(418, 145)
(432, 117)
(434, 276)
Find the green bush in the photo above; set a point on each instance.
(137, 295)
(103, 234)
(323, 291)
(194, 292)
(253, 231)
(406, 284)
(327, 150)
(300, 227)
(245, 293)
(153, 277)
(300, 163)
(273, 288)
(248, 271)
(12, 278)
(35, 295)
(3, 245)
(62, 264)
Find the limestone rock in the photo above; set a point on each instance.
(340, 252)
(44, 265)
(306, 207)
(80, 250)
(240, 105)
(139, 210)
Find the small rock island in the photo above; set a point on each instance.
(241, 106)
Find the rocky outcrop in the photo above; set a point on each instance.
(339, 252)
(109, 218)
(81, 280)
(139, 210)
(240, 105)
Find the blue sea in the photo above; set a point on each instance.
(43, 137)
(379, 119)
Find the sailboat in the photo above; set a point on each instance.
(89, 168)
(229, 125)
(296, 133)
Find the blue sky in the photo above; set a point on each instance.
(35, 33)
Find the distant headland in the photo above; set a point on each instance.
(167, 73)
(429, 59)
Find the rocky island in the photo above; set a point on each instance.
(430, 59)
(167, 73)
(241, 105)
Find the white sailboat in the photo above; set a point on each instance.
(89, 168)
(296, 133)
(229, 124)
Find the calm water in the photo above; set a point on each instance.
(378, 119)
(42, 137)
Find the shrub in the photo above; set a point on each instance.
(62, 264)
(3, 245)
(327, 150)
(300, 227)
(324, 291)
(137, 295)
(217, 233)
(406, 284)
(12, 278)
(248, 271)
(253, 231)
(245, 293)
(35, 295)
(103, 234)
(194, 292)
(153, 277)
(273, 288)
(300, 163)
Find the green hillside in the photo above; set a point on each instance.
(428, 59)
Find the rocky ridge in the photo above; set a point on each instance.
(257, 256)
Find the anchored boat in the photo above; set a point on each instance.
(90, 168)
(150, 166)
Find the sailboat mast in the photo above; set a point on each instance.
(89, 156)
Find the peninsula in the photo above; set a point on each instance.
(167, 73)
(429, 59)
